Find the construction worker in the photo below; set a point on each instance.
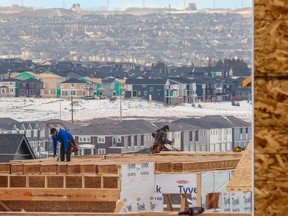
(66, 142)
(160, 136)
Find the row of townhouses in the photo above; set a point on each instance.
(171, 90)
(209, 134)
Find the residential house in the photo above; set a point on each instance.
(241, 133)
(195, 135)
(98, 90)
(9, 88)
(222, 89)
(51, 84)
(139, 135)
(7, 125)
(184, 88)
(240, 93)
(218, 134)
(30, 88)
(231, 132)
(123, 137)
(76, 88)
(15, 147)
(149, 89)
(108, 85)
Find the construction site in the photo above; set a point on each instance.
(133, 184)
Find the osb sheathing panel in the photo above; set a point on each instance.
(271, 105)
(242, 177)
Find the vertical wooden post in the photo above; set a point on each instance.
(184, 202)
(169, 203)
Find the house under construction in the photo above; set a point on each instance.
(119, 183)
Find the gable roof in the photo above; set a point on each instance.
(15, 147)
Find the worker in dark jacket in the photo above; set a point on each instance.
(160, 136)
(66, 141)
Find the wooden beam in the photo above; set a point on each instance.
(80, 194)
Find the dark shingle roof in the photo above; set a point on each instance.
(146, 81)
(15, 147)
(74, 80)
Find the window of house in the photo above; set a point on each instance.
(101, 139)
(28, 133)
(72, 93)
(31, 91)
(144, 86)
(145, 93)
(118, 138)
(84, 139)
(72, 85)
(191, 135)
(3, 91)
(241, 130)
(151, 89)
(196, 135)
(101, 151)
(22, 91)
(31, 85)
(35, 133)
(11, 90)
(11, 83)
(64, 93)
(139, 93)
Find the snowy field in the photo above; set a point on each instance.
(33, 109)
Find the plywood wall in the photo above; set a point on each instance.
(271, 106)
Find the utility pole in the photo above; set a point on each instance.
(120, 103)
(72, 109)
(60, 109)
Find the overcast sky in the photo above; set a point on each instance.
(123, 4)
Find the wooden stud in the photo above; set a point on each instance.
(169, 203)
(184, 203)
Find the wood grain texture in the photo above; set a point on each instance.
(270, 107)
(270, 46)
(271, 101)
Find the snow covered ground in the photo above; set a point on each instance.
(32, 109)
